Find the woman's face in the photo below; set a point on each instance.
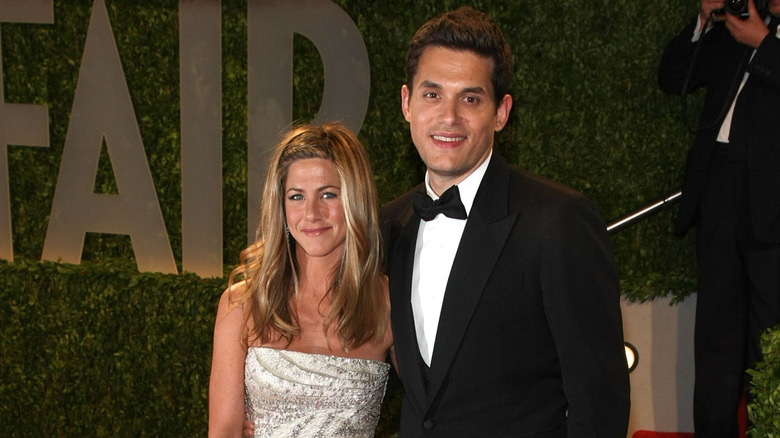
(313, 208)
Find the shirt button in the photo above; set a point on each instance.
(429, 424)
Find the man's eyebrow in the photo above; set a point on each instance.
(475, 90)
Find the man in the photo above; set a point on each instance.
(506, 318)
(731, 194)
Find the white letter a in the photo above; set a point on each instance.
(102, 109)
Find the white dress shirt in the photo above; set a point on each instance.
(437, 244)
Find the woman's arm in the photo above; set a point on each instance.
(226, 386)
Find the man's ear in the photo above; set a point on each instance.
(406, 94)
(502, 112)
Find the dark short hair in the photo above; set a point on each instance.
(464, 29)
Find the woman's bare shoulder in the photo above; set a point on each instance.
(233, 297)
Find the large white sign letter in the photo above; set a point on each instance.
(102, 111)
(200, 59)
(20, 124)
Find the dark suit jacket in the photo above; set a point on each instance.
(755, 127)
(530, 326)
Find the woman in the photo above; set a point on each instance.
(300, 343)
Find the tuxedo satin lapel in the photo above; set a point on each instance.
(486, 231)
(404, 335)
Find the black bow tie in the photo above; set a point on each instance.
(448, 204)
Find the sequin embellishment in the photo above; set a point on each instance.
(292, 394)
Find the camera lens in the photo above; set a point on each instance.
(736, 6)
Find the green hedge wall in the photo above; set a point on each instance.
(764, 409)
(99, 349)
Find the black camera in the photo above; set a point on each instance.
(740, 8)
(737, 7)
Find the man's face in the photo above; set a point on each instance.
(451, 113)
(774, 7)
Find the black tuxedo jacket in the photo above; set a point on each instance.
(530, 338)
(720, 66)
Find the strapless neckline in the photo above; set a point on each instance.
(304, 354)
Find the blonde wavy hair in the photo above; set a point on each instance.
(359, 308)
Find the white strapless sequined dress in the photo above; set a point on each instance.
(293, 394)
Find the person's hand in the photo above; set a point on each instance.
(249, 429)
(750, 31)
(707, 6)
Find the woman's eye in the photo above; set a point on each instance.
(295, 197)
(329, 195)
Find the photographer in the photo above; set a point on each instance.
(731, 194)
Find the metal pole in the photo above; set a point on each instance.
(616, 226)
